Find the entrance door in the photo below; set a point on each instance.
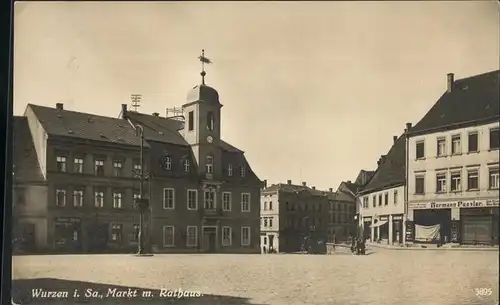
(271, 242)
(209, 239)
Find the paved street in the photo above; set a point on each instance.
(382, 277)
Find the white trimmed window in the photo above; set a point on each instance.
(270, 222)
(441, 147)
(243, 170)
(118, 167)
(441, 183)
(168, 236)
(265, 222)
(494, 179)
(230, 170)
(456, 181)
(61, 164)
(365, 202)
(168, 163)
(116, 233)
(245, 236)
(209, 199)
(270, 205)
(473, 180)
(78, 162)
(395, 196)
(78, 198)
(99, 167)
(187, 166)
(137, 169)
(245, 202)
(226, 201)
(265, 205)
(60, 197)
(192, 236)
(117, 200)
(192, 199)
(227, 236)
(169, 198)
(456, 145)
(99, 199)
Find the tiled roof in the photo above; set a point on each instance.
(391, 172)
(167, 130)
(353, 187)
(473, 98)
(85, 126)
(25, 162)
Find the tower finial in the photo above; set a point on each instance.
(204, 61)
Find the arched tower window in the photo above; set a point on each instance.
(210, 121)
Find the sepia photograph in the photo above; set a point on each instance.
(255, 152)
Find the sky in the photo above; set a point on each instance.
(312, 91)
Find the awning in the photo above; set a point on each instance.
(378, 224)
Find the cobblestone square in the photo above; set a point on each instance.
(382, 277)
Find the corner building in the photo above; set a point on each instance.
(453, 165)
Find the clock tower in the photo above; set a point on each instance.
(202, 113)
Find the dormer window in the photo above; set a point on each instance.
(230, 170)
(187, 165)
(167, 163)
(243, 170)
(209, 165)
(210, 121)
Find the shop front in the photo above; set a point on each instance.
(367, 221)
(479, 226)
(67, 234)
(397, 229)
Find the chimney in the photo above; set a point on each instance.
(313, 187)
(304, 183)
(394, 139)
(451, 79)
(349, 181)
(330, 190)
(265, 183)
(289, 182)
(124, 111)
(408, 127)
(59, 106)
(156, 114)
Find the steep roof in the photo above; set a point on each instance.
(472, 98)
(391, 171)
(87, 126)
(25, 162)
(167, 130)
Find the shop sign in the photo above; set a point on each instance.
(68, 219)
(456, 204)
(398, 217)
(367, 219)
(383, 218)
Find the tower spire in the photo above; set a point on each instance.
(204, 61)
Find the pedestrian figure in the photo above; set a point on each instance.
(264, 249)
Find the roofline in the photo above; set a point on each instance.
(381, 188)
(56, 137)
(453, 126)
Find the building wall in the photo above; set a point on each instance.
(270, 221)
(39, 137)
(431, 164)
(395, 205)
(341, 219)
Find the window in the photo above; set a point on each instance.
(168, 236)
(386, 199)
(264, 240)
(117, 168)
(441, 147)
(226, 236)
(374, 200)
(210, 121)
(265, 206)
(419, 185)
(494, 141)
(226, 201)
(440, 183)
(61, 164)
(395, 196)
(245, 236)
(456, 182)
(265, 222)
(167, 163)
(187, 166)
(135, 232)
(456, 145)
(243, 170)
(365, 202)
(168, 198)
(192, 236)
(60, 197)
(192, 199)
(419, 149)
(78, 165)
(137, 195)
(473, 180)
(116, 233)
(270, 205)
(117, 200)
(99, 167)
(473, 142)
(78, 198)
(137, 169)
(380, 200)
(494, 176)
(230, 170)
(209, 200)
(209, 166)
(270, 222)
(245, 202)
(190, 120)
(99, 199)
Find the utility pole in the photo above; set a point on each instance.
(142, 203)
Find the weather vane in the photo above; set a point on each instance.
(204, 60)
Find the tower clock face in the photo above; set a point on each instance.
(210, 139)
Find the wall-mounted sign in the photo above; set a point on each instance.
(68, 219)
(397, 217)
(383, 218)
(456, 204)
(367, 219)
